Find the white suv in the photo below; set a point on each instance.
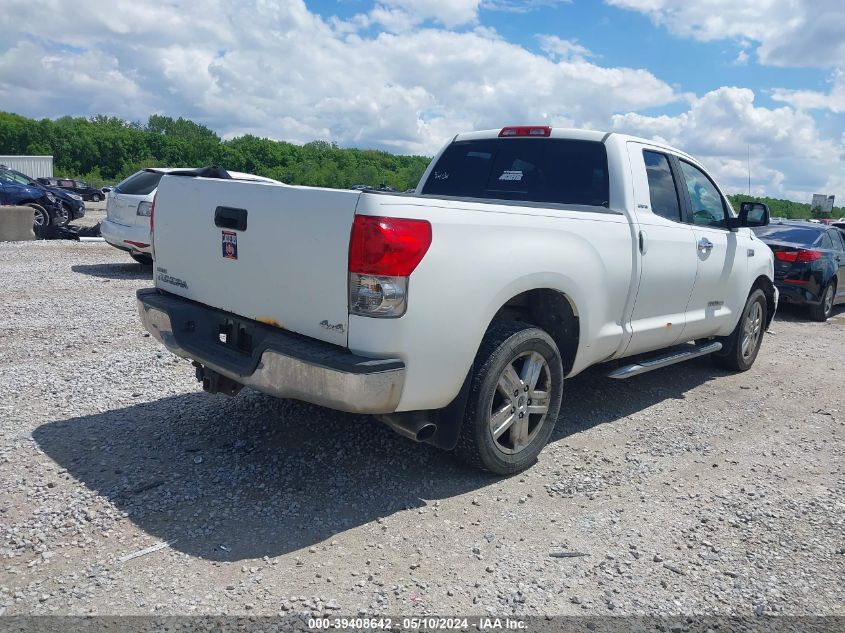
(127, 223)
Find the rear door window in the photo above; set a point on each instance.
(140, 183)
(661, 186)
(825, 242)
(838, 242)
(546, 170)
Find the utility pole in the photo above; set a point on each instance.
(749, 169)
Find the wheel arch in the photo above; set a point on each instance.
(551, 310)
(765, 284)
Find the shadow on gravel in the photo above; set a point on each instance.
(591, 398)
(792, 313)
(263, 477)
(114, 271)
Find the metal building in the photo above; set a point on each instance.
(32, 166)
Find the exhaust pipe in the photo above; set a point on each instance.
(415, 425)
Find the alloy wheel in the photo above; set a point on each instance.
(752, 329)
(520, 402)
(828, 299)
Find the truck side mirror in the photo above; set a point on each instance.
(753, 214)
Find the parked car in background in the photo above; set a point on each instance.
(73, 207)
(46, 207)
(79, 187)
(809, 264)
(127, 223)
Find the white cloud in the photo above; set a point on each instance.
(562, 49)
(450, 13)
(276, 69)
(816, 100)
(789, 157)
(790, 32)
(281, 71)
(520, 6)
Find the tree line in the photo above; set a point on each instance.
(104, 150)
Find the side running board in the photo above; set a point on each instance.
(675, 356)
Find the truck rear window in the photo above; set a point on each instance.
(529, 169)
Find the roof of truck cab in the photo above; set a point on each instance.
(574, 134)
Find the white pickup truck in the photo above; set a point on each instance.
(454, 313)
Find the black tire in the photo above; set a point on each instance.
(63, 217)
(506, 345)
(823, 310)
(41, 218)
(95, 198)
(734, 354)
(142, 258)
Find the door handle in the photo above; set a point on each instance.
(230, 218)
(704, 244)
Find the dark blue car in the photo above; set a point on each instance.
(65, 207)
(809, 264)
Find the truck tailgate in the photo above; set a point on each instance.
(272, 253)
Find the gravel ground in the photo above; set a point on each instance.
(689, 490)
(94, 212)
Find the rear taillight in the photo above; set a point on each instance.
(387, 246)
(808, 256)
(152, 223)
(526, 130)
(804, 255)
(383, 252)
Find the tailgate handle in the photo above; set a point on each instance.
(230, 218)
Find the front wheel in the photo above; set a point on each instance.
(95, 198)
(40, 217)
(514, 398)
(62, 215)
(823, 310)
(740, 349)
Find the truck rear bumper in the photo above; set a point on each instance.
(271, 360)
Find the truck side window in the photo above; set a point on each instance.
(661, 186)
(707, 206)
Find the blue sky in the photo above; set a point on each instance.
(714, 77)
(623, 38)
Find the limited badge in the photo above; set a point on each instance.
(230, 245)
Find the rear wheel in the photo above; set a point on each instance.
(96, 198)
(740, 348)
(822, 311)
(514, 399)
(40, 217)
(142, 258)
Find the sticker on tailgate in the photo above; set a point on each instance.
(230, 245)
